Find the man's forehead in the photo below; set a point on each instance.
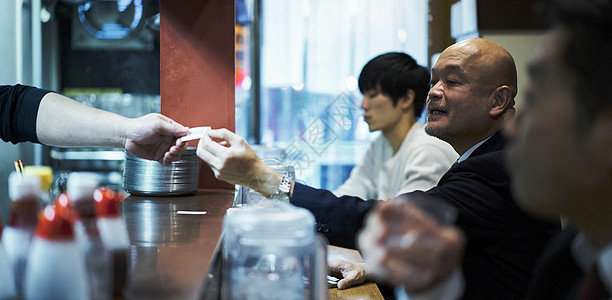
(447, 68)
(456, 59)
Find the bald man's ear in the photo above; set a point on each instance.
(502, 100)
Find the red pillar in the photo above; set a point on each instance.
(197, 67)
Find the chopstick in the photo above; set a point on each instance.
(19, 166)
(191, 212)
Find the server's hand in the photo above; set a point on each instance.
(155, 137)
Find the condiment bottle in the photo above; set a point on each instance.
(80, 189)
(24, 190)
(7, 284)
(56, 269)
(114, 235)
(45, 173)
(62, 204)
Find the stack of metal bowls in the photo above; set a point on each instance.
(150, 178)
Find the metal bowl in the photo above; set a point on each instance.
(150, 178)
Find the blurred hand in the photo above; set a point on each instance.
(403, 246)
(351, 273)
(154, 137)
(233, 161)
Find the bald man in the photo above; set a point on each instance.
(473, 85)
(473, 88)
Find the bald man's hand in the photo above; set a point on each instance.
(350, 273)
(232, 160)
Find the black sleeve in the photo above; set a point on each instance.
(338, 218)
(479, 190)
(503, 242)
(18, 111)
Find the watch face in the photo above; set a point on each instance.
(285, 185)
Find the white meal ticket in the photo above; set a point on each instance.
(195, 133)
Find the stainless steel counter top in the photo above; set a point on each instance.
(173, 247)
(172, 243)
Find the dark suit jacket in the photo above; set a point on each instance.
(556, 275)
(503, 242)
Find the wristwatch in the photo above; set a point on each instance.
(282, 192)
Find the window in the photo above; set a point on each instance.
(309, 56)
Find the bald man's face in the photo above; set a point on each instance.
(458, 103)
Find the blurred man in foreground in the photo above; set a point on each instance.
(560, 162)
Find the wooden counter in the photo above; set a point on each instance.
(173, 246)
(367, 290)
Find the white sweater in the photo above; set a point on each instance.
(417, 165)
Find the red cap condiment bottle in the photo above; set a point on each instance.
(55, 267)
